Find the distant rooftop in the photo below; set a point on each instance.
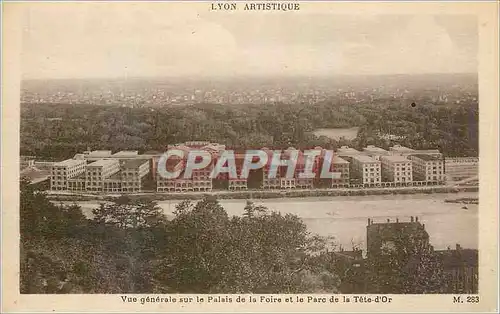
(371, 148)
(363, 158)
(338, 160)
(68, 162)
(103, 162)
(126, 153)
(427, 157)
(152, 152)
(395, 158)
(347, 150)
(399, 148)
(99, 153)
(428, 151)
(134, 163)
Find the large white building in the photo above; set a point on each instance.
(98, 171)
(428, 168)
(62, 171)
(397, 169)
(367, 169)
(132, 174)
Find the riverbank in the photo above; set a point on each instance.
(261, 194)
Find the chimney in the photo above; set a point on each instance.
(397, 219)
(411, 219)
(368, 221)
(416, 218)
(388, 220)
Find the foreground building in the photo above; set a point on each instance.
(391, 237)
(407, 243)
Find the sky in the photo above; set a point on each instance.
(97, 40)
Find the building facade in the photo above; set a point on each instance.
(392, 236)
(132, 174)
(397, 169)
(97, 172)
(428, 168)
(341, 166)
(367, 169)
(63, 171)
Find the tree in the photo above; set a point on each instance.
(260, 252)
(127, 213)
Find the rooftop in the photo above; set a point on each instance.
(395, 158)
(372, 148)
(153, 152)
(134, 163)
(68, 162)
(99, 153)
(338, 160)
(103, 162)
(399, 148)
(126, 153)
(427, 157)
(427, 151)
(363, 158)
(347, 149)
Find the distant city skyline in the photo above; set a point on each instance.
(97, 40)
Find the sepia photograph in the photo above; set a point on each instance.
(236, 148)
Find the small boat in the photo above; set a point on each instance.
(465, 207)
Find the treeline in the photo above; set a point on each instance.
(129, 246)
(56, 131)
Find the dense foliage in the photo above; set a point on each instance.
(129, 246)
(59, 130)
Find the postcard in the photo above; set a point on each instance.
(250, 156)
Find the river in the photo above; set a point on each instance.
(345, 217)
